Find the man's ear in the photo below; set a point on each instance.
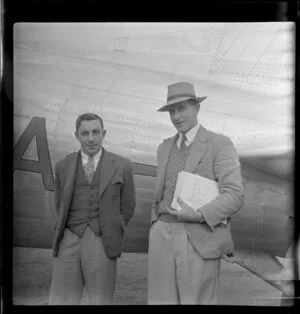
(76, 135)
(103, 133)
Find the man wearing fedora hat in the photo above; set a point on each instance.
(185, 247)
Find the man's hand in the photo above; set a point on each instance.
(187, 213)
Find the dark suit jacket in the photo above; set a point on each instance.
(116, 199)
(212, 156)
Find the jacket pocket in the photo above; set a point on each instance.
(117, 179)
(115, 187)
(204, 167)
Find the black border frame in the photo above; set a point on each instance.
(14, 11)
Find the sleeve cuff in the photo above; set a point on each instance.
(202, 219)
(207, 220)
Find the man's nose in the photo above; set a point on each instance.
(91, 137)
(176, 115)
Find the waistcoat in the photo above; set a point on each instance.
(84, 208)
(175, 164)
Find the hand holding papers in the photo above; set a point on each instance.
(187, 213)
(194, 190)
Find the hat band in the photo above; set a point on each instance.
(180, 95)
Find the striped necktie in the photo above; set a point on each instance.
(182, 144)
(89, 169)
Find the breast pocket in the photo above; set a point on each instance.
(205, 169)
(116, 186)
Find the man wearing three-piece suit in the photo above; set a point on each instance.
(186, 246)
(95, 199)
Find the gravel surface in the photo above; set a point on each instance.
(32, 270)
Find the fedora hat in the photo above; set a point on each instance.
(178, 92)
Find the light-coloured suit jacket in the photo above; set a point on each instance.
(116, 198)
(213, 156)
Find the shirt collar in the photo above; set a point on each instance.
(85, 157)
(190, 135)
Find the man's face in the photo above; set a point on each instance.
(184, 116)
(90, 135)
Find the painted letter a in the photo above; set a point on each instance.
(36, 127)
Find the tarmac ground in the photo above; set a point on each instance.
(32, 269)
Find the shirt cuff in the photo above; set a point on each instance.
(202, 218)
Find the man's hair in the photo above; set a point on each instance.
(88, 117)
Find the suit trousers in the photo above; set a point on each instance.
(177, 274)
(82, 261)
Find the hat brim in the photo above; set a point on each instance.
(173, 102)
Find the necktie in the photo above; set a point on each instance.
(182, 144)
(89, 169)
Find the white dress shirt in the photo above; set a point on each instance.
(85, 158)
(190, 136)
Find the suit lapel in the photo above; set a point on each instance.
(70, 172)
(166, 153)
(198, 148)
(108, 168)
(164, 157)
